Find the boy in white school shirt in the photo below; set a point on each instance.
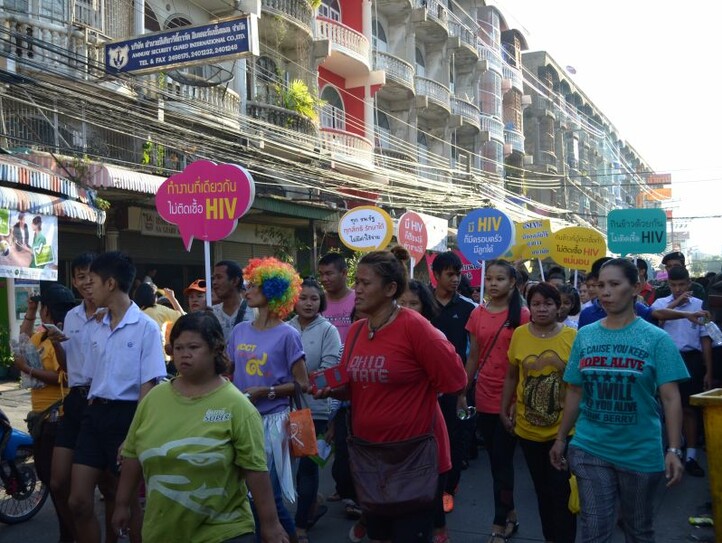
(127, 359)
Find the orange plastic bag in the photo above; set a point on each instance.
(301, 430)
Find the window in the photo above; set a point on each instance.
(332, 114)
(177, 22)
(420, 63)
(383, 130)
(379, 38)
(330, 9)
(266, 80)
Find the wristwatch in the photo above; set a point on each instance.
(677, 452)
(272, 395)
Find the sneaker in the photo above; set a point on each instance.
(441, 538)
(693, 468)
(357, 533)
(448, 501)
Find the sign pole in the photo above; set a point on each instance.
(483, 274)
(413, 263)
(576, 277)
(541, 270)
(207, 258)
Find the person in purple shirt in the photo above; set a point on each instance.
(267, 359)
(595, 312)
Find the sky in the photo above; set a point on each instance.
(652, 69)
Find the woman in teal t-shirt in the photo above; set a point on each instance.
(617, 368)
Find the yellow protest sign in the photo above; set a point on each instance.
(577, 248)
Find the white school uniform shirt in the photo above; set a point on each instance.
(76, 327)
(686, 336)
(126, 357)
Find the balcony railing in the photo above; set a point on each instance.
(434, 91)
(459, 30)
(493, 58)
(219, 98)
(514, 75)
(436, 10)
(344, 39)
(88, 15)
(515, 139)
(493, 126)
(347, 145)
(297, 11)
(466, 110)
(281, 117)
(396, 69)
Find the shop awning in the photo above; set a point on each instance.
(295, 209)
(23, 172)
(44, 204)
(115, 177)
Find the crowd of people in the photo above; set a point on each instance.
(180, 415)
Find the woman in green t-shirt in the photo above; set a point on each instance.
(198, 441)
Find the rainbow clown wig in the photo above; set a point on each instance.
(278, 282)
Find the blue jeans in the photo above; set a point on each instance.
(605, 490)
(283, 515)
(307, 483)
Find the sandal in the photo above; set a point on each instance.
(495, 537)
(335, 497)
(352, 510)
(510, 528)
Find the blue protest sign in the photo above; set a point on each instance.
(637, 231)
(485, 234)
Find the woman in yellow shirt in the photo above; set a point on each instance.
(49, 387)
(538, 355)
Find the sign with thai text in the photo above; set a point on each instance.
(412, 235)
(577, 248)
(365, 228)
(206, 200)
(184, 46)
(637, 231)
(485, 234)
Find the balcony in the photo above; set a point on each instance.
(492, 128)
(218, 103)
(296, 12)
(399, 76)
(432, 99)
(44, 46)
(513, 75)
(515, 140)
(349, 51)
(468, 115)
(280, 117)
(431, 18)
(394, 9)
(464, 42)
(348, 147)
(492, 58)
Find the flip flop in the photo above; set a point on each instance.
(321, 510)
(514, 528)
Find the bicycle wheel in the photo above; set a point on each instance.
(21, 495)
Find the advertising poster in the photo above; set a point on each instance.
(28, 245)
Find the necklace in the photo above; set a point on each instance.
(374, 329)
(544, 334)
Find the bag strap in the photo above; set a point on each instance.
(241, 312)
(298, 400)
(493, 342)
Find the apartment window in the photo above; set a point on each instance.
(330, 9)
(379, 37)
(266, 80)
(420, 63)
(383, 130)
(333, 114)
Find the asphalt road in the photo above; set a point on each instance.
(468, 523)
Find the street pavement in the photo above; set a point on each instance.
(468, 523)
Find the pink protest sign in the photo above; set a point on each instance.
(412, 235)
(467, 268)
(206, 200)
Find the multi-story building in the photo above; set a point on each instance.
(578, 159)
(408, 104)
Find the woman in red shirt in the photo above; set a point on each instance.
(490, 329)
(392, 359)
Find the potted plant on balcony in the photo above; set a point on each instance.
(297, 97)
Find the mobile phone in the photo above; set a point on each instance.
(330, 377)
(52, 328)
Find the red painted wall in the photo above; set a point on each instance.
(351, 14)
(352, 100)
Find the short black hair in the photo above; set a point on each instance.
(449, 259)
(627, 267)
(206, 324)
(674, 255)
(598, 263)
(115, 264)
(144, 296)
(429, 306)
(310, 282)
(558, 272)
(82, 261)
(465, 288)
(569, 290)
(642, 264)
(334, 259)
(678, 273)
(547, 291)
(233, 271)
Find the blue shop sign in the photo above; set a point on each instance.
(183, 46)
(485, 234)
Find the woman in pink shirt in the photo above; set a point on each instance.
(490, 328)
